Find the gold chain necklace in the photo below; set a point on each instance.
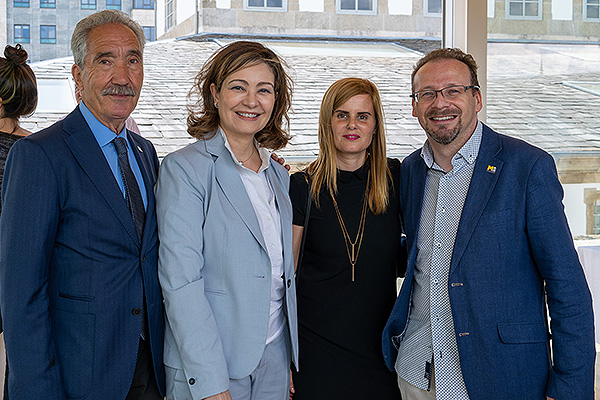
(351, 247)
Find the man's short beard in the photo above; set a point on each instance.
(447, 139)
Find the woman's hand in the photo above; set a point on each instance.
(221, 396)
(292, 389)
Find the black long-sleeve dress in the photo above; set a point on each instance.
(340, 321)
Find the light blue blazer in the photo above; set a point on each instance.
(214, 268)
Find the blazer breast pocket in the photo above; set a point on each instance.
(523, 332)
(495, 218)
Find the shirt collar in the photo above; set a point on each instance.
(361, 173)
(262, 153)
(468, 152)
(100, 131)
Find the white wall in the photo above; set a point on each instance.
(562, 10)
(575, 207)
(311, 5)
(400, 7)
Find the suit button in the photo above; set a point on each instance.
(143, 257)
(136, 311)
(289, 283)
(192, 381)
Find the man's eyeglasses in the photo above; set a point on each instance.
(449, 93)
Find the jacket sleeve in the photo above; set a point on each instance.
(180, 197)
(28, 226)
(568, 296)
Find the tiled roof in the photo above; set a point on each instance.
(525, 96)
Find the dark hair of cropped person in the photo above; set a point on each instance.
(448, 54)
(323, 171)
(18, 87)
(203, 116)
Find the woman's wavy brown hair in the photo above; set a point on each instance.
(203, 117)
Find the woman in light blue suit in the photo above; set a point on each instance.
(225, 229)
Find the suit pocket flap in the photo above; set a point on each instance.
(526, 332)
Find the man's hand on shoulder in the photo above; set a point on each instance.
(221, 396)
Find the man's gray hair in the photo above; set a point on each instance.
(83, 28)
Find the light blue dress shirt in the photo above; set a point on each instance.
(104, 137)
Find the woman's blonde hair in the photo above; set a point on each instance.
(323, 171)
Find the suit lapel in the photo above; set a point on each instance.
(230, 182)
(482, 185)
(90, 158)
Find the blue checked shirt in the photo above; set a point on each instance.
(430, 331)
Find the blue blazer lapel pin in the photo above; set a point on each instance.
(491, 169)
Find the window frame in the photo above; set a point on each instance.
(146, 4)
(21, 3)
(283, 8)
(114, 6)
(426, 9)
(47, 3)
(153, 33)
(585, 4)
(539, 17)
(47, 40)
(88, 6)
(338, 8)
(170, 15)
(22, 39)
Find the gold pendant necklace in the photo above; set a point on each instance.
(351, 247)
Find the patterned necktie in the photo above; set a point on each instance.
(132, 190)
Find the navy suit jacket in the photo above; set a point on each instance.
(73, 273)
(513, 259)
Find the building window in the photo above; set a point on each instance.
(265, 5)
(357, 6)
(21, 3)
(591, 10)
(433, 8)
(47, 3)
(169, 15)
(150, 34)
(113, 4)
(88, 4)
(143, 4)
(524, 9)
(48, 34)
(21, 33)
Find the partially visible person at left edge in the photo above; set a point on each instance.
(78, 241)
(18, 97)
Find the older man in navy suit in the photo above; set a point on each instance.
(80, 296)
(490, 255)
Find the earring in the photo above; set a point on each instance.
(216, 105)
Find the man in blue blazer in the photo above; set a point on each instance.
(80, 297)
(490, 256)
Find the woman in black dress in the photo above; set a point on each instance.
(351, 255)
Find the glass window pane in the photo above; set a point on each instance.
(347, 4)
(516, 9)
(531, 10)
(434, 7)
(593, 12)
(274, 3)
(365, 5)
